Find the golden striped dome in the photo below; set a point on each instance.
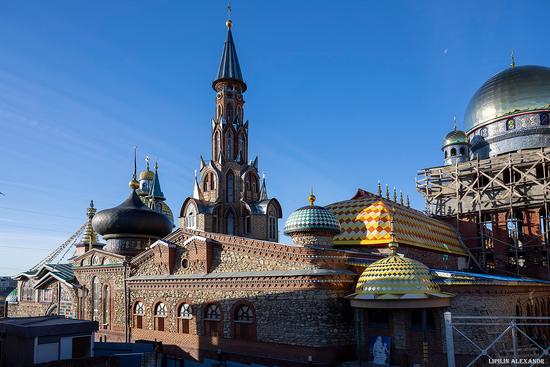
(396, 276)
(146, 175)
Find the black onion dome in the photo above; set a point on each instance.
(131, 217)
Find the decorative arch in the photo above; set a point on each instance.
(213, 320)
(229, 151)
(243, 320)
(95, 298)
(190, 216)
(160, 312)
(217, 144)
(184, 315)
(138, 312)
(230, 187)
(106, 305)
(230, 223)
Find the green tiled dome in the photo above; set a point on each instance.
(12, 297)
(312, 218)
(455, 137)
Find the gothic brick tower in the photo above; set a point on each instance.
(229, 198)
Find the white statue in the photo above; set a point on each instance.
(379, 352)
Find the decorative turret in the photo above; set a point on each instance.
(89, 237)
(456, 147)
(397, 282)
(131, 226)
(146, 179)
(312, 225)
(227, 195)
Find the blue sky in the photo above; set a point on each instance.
(340, 95)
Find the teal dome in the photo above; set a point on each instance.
(12, 297)
(312, 218)
(455, 137)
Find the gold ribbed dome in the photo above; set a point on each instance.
(146, 175)
(395, 277)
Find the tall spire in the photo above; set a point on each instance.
(513, 63)
(89, 237)
(263, 191)
(134, 184)
(229, 68)
(156, 192)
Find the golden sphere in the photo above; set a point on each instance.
(134, 185)
(228, 23)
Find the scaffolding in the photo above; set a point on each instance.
(494, 194)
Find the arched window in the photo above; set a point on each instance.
(241, 146)
(139, 311)
(217, 145)
(240, 113)
(212, 182)
(229, 112)
(230, 222)
(190, 217)
(219, 111)
(272, 225)
(230, 187)
(461, 151)
(212, 320)
(229, 145)
(160, 315)
(247, 184)
(247, 221)
(185, 314)
(255, 184)
(244, 322)
(95, 299)
(445, 154)
(106, 305)
(205, 183)
(453, 152)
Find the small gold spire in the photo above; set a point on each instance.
(311, 198)
(513, 63)
(379, 189)
(408, 201)
(401, 197)
(394, 195)
(134, 184)
(387, 192)
(228, 22)
(147, 163)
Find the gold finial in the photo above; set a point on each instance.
(513, 63)
(387, 192)
(408, 201)
(401, 197)
(393, 245)
(134, 184)
(394, 195)
(228, 22)
(147, 163)
(311, 198)
(454, 122)
(379, 189)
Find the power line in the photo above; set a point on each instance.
(38, 212)
(32, 227)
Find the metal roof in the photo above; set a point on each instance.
(229, 64)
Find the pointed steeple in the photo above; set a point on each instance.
(196, 191)
(156, 192)
(90, 236)
(229, 68)
(263, 191)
